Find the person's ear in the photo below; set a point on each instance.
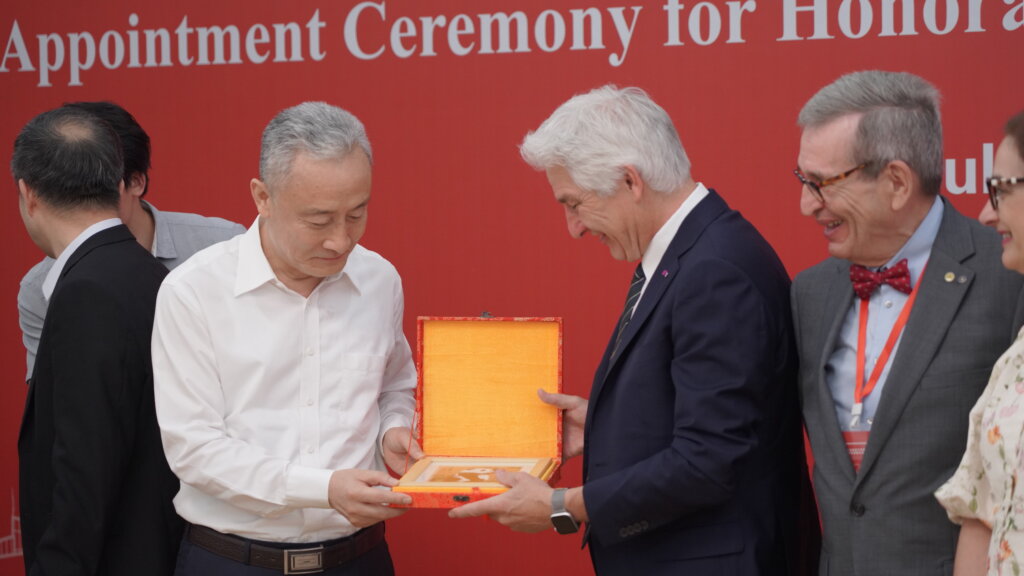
(900, 182)
(634, 182)
(136, 184)
(261, 196)
(28, 197)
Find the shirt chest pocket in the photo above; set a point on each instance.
(350, 380)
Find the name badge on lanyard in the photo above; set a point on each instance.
(857, 440)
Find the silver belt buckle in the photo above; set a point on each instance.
(304, 560)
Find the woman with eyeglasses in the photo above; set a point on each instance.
(1008, 174)
(984, 495)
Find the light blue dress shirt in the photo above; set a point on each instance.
(883, 309)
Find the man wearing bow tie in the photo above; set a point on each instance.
(897, 331)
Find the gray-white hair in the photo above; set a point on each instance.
(314, 128)
(901, 121)
(594, 136)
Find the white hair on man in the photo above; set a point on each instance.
(594, 135)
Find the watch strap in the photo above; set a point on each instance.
(558, 500)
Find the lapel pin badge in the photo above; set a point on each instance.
(949, 277)
(664, 273)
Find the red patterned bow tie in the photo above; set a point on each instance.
(865, 281)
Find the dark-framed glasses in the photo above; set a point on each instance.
(815, 187)
(997, 186)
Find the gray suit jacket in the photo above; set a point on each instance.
(884, 519)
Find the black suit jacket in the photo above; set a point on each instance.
(693, 450)
(95, 487)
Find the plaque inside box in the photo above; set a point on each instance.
(478, 408)
(471, 472)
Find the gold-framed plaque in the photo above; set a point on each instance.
(462, 472)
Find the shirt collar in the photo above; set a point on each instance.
(254, 269)
(659, 244)
(163, 243)
(919, 246)
(58, 266)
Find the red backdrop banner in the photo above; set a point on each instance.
(447, 90)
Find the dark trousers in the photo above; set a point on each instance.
(195, 561)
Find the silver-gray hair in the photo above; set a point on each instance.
(901, 121)
(594, 136)
(315, 128)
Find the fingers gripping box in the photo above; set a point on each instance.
(478, 407)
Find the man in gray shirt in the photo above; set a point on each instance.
(172, 237)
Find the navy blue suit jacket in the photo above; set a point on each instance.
(693, 451)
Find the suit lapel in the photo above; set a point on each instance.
(926, 328)
(838, 300)
(703, 214)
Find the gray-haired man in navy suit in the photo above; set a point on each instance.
(691, 442)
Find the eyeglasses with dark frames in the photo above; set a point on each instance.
(997, 186)
(815, 187)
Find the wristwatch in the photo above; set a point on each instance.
(562, 520)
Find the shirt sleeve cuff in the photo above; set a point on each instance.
(307, 487)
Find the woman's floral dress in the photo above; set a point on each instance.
(985, 485)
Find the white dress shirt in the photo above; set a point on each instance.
(664, 236)
(262, 393)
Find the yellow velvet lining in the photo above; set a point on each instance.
(480, 381)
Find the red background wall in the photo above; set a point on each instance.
(468, 224)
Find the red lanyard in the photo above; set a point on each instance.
(863, 389)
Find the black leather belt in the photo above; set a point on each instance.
(308, 559)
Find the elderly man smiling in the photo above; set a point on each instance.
(897, 331)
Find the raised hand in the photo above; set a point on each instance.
(401, 450)
(575, 409)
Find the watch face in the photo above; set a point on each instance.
(564, 523)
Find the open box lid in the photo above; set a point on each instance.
(478, 381)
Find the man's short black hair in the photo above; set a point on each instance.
(134, 141)
(70, 159)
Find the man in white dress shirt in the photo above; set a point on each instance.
(284, 381)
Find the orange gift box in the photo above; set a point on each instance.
(478, 408)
